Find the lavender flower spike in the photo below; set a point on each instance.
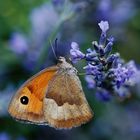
(106, 73)
(76, 54)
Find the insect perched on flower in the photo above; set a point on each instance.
(106, 72)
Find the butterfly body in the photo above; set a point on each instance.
(52, 97)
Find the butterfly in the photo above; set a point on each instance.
(53, 97)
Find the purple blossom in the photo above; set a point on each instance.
(76, 54)
(104, 26)
(111, 39)
(91, 55)
(108, 47)
(107, 73)
(103, 95)
(18, 43)
(90, 81)
(96, 46)
(95, 71)
(116, 15)
(121, 74)
(91, 69)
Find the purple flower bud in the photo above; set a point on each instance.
(103, 94)
(111, 39)
(90, 55)
(108, 48)
(93, 70)
(90, 81)
(104, 26)
(96, 46)
(76, 54)
(111, 59)
(74, 45)
(101, 51)
(117, 60)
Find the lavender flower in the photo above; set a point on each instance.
(19, 43)
(120, 75)
(76, 53)
(116, 15)
(104, 26)
(90, 80)
(103, 94)
(107, 73)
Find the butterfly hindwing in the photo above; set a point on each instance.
(65, 105)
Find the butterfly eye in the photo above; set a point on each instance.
(24, 100)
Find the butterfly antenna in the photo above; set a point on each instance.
(53, 50)
(56, 47)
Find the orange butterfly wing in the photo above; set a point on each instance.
(27, 104)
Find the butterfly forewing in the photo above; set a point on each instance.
(27, 104)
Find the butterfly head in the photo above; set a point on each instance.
(65, 66)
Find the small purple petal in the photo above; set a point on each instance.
(103, 95)
(90, 81)
(90, 69)
(108, 48)
(90, 55)
(74, 45)
(111, 39)
(96, 46)
(104, 26)
(75, 53)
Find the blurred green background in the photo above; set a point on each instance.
(26, 28)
